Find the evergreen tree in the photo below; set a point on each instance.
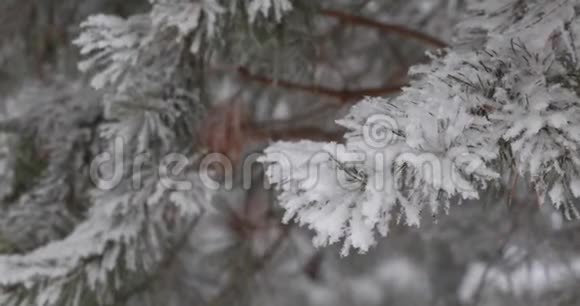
(106, 196)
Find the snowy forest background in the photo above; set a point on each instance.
(251, 92)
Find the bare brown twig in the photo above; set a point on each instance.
(383, 27)
(347, 96)
(343, 96)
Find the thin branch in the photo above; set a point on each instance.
(346, 96)
(343, 96)
(266, 258)
(515, 178)
(384, 27)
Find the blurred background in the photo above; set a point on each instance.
(282, 84)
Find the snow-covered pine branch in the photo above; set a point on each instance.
(123, 240)
(506, 97)
(114, 44)
(146, 61)
(119, 237)
(45, 173)
(84, 244)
